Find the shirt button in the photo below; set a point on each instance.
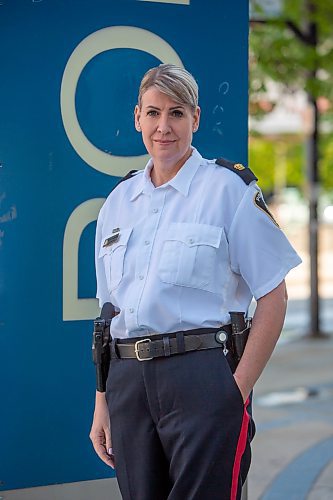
(191, 240)
(141, 277)
(147, 242)
(131, 310)
(155, 210)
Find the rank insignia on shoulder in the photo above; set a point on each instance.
(261, 204)
(112, 239)
(238, 168)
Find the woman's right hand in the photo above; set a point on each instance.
(100, 433)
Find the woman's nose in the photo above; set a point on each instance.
(163, 125)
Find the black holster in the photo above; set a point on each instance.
(240, 332)
(101, 345)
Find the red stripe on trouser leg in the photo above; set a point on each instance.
(239, 451)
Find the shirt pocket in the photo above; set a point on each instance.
(113, 257)
(190, 255)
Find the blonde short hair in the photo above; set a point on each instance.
(173, 81)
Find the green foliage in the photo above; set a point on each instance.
(262, 161)
(267, 154)
(295, 50)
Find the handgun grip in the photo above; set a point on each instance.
(108, 311)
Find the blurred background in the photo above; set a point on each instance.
(291, 151)
(291, 142)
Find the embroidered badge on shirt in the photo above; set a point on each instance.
(112, 239)
(260, 203)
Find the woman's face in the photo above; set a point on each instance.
(166, 126)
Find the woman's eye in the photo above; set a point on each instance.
(152, 112)
(177, 113)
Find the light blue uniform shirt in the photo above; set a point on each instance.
(184, 254)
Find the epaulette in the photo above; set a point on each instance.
(244, 172)
(130, 174)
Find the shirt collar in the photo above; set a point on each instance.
(181, 181)
(145, 185)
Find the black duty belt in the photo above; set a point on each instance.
(168, 344)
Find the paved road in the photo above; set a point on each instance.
(293, 448)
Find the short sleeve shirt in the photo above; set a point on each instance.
(184, 254)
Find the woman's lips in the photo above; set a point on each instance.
(164, 143)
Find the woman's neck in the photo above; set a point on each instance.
(163, 172)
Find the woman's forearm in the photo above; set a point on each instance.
(266, 328)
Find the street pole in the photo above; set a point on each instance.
(314, 187)
(313, 182)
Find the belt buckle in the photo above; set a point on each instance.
(137, 352)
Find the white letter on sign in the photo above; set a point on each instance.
(110, 38)
(73, 307)
(115, 37)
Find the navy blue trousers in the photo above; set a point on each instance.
(179, 428)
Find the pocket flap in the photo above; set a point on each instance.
(122, 240)
(195, 234)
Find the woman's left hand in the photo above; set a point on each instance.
(243, 390)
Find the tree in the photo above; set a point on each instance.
(295, 49)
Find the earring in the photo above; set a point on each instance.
(138, 126)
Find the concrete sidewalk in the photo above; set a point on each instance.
(293, 411)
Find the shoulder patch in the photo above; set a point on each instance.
(244, 172)
(260, 203)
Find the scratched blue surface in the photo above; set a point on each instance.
(47, 378)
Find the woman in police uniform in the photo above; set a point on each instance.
(179, 245)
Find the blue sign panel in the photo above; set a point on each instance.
(69, 78)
